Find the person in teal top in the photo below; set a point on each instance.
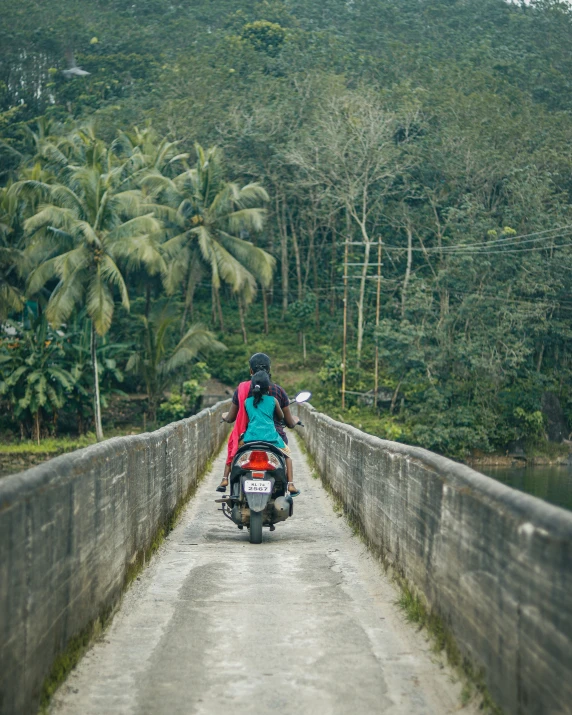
(262, 410)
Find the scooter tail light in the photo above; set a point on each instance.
(243, 459)
(259, 460)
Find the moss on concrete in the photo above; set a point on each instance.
(79, 644)
(414, 606)
(71, 656)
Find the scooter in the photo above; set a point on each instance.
(259, 486)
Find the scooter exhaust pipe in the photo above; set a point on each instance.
(282, 508)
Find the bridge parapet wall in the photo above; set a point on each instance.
(70, 531)
(493, 563)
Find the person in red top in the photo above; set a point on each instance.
(237, 414)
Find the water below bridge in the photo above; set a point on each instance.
(306, 622)
(551, 483)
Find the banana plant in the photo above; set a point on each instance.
(32, 378)
(159, 357)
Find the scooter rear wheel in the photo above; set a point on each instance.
(255, 527)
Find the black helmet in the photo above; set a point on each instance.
(259, 361)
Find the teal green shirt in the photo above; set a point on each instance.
(261, 421)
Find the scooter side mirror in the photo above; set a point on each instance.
(302, 397)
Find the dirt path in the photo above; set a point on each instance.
(306, 622)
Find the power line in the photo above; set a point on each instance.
(523, 238)
(483, 250)
(547, 234)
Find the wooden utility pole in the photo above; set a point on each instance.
(265, 309)
(345, 335)
(377, 308)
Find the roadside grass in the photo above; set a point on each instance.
(49, 445)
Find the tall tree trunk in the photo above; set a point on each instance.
(334, 262)
(394, 398)
(242, 325)
(189, 293)
(283, 257)
(219, 309)
(296, 248)
(361, 301)
(97, 399)
(408, 269)
(37, 426)
(539, 361)
(316, 291)
(265, 310)
(147, 298)
(213, 305)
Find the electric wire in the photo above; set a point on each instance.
(484, 251)
(545, 235)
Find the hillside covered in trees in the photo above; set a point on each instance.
(377, 193)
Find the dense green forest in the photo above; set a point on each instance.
(376, 193)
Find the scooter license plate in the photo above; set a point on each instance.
(257, 486)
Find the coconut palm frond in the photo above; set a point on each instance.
(252, 195)
(10, 299)
(179, 157)
(232, 271)
(205, 241)
(223, 203)
(143, 250)
(49, 215)
(139, 225)
(177, 270)
(100, 304)
(164, 213)
(111, 273)
(55, 157)
(123, 145)
(173, 246)
(71, 261)
(63, 196)
(165, 149)
(196, 340)
(11, 256)
(62, 237)
(258, 261)
(154, 182)
(29, 188)
(41, 275)
(246, 220)
(83, 230)
(128, 203)
(65, 297)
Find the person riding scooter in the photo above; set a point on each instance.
(237, 414)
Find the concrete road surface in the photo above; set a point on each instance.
(306, 622)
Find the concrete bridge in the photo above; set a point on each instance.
(204, 622)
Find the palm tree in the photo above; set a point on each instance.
(156, 153)
(87, 228)
(211, 219)
(157, 362)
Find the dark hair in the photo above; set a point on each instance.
(258, 362)
(260, 385)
